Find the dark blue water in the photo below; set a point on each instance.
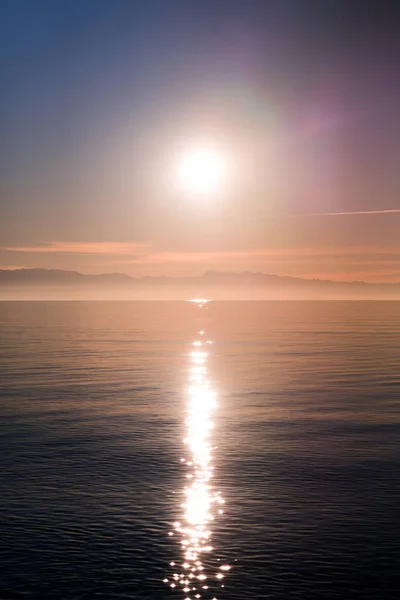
(304, 450)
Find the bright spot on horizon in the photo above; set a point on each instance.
(201, 171)
(199, 301)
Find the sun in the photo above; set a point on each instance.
(201, 171)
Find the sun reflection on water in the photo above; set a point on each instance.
(202, 502)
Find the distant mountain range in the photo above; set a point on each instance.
(60, 284)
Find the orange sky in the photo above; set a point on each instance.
(302, 99)
(332, 260)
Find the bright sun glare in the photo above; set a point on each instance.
(201, 171)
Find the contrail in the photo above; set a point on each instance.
(386, 211)
(356, 212)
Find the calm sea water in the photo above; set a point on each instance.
(265, 464)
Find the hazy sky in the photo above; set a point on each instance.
(99, 97)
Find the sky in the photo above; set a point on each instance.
(301, 98)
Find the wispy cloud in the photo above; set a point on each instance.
(292, 255)
(354, 212)
(346, 262)
(107, 248)
(142, 253)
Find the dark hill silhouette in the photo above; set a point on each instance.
(49, 283)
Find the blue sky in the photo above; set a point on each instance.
(97, 95)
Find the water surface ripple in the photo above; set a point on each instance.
(96, 402)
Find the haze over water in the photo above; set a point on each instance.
(271, 454)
